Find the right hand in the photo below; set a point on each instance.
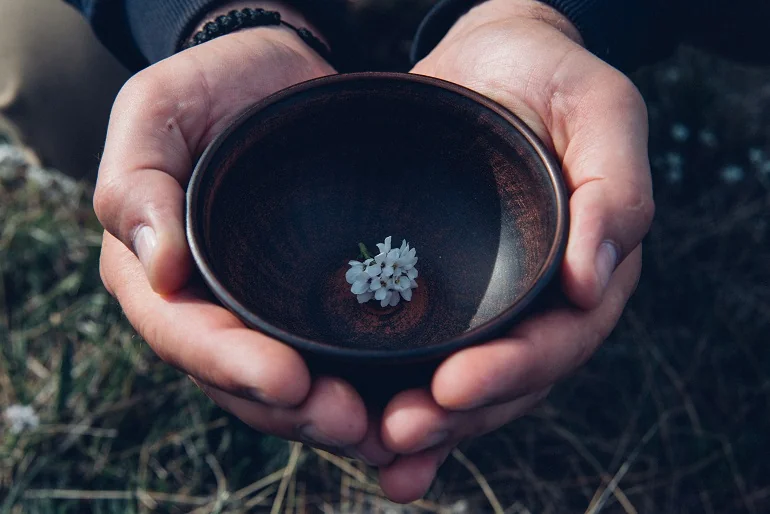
(161, 122)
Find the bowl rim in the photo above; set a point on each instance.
(476, 335)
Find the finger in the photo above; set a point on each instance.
(539, 352)
(371, 450)
(607, 168)
(139, 194)
(203, 339)
(332, 417)
(413, 422)
(409, 477)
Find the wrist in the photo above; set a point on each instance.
(288, 14)
(530, 12)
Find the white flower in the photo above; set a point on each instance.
(21, 417)
(388, 277)
(756, 155)
(356, 269)
(707, 138)
(679, 132)
(732, 174)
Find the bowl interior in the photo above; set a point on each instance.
(283, 200)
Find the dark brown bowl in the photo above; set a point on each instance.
(278, 203)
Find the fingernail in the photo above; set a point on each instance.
(312, 436)
(145, 242)
(434, 439)
(606, 262)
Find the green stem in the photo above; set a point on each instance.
(364, 251)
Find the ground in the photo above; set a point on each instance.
(671, 415)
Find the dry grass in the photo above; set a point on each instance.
(672, 415)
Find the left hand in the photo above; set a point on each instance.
(530, 59)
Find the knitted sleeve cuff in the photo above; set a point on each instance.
(142, 32)
(624, 33)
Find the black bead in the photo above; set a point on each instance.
(240, 18)
(223, 22)
(235, 20)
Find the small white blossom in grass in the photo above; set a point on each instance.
(756, 155)
(673, 74)
(674, 164)
(707, 138)
(679, 132)
(20, 418)
(674, 160)
(387, 277)
(732, 174)
(674, 175)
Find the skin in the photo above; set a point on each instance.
(530, 59)
(521, 54)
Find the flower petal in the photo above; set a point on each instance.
(360, 287)
(403, 283)
(407, 294)
(352, 275)
(363, 298)
(413, 284)
(373, 270)
(384, 247)
(387, 271)
(355, 263)
(392, 257)
(367, 262)
(376, 284)
(380, 258)
(412, 273)
(386, 300)
(394, 299)
(381, 294)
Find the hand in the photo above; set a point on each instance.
(529, 58)
(161, 122)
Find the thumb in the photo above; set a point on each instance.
(139, 195)
(607, 169)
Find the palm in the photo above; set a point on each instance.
(594, 120)
(161, 122)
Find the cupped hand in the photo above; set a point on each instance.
(161, 122)
(530, 59)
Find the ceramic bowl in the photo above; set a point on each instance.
(278, 203)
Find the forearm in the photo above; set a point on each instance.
(631, 33)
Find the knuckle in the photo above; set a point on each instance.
(106, 195)
(647, 213)
(640, 204)
(617, 93)
(150, 95)
(627, 95)
(139, 88)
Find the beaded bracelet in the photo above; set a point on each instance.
(247, 18)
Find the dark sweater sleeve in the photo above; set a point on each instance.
(142, 32)
(632, 33)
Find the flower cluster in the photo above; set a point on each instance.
(387, 277)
